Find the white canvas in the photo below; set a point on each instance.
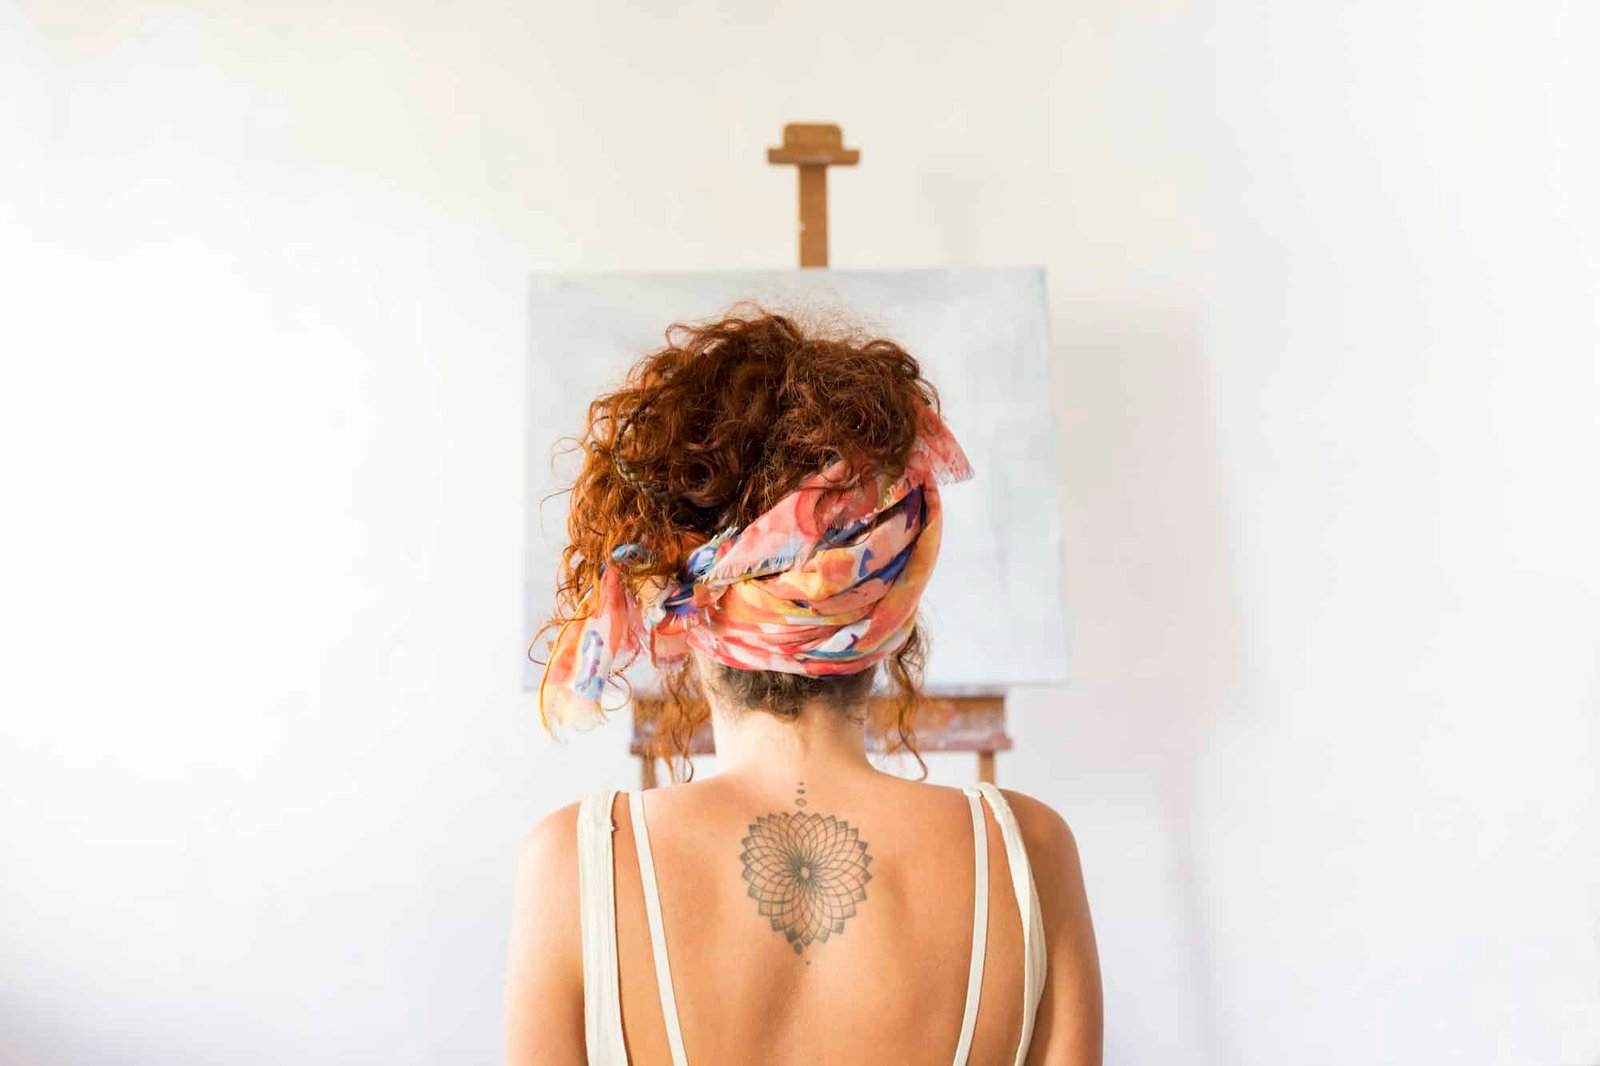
(993, 609)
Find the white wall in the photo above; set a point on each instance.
(1325, 289)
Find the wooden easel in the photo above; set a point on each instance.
(969, 723)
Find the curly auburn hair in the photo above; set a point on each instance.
(710, 431)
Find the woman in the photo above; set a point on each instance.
(758, 512)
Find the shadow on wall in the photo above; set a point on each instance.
(1156, 658)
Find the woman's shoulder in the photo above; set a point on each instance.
(547, 860)
(549, 848)
(544, 965)
(553, 835)
(1044, 830)
(1071, 1011)
(549, 851)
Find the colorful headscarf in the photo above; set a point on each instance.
(798, 590)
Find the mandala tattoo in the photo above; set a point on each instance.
(806, 873)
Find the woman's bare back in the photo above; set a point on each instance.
(863, 960)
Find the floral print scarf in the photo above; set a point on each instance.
(798, 590)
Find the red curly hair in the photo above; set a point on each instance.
(710, 431)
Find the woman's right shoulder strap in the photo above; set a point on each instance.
(597, 913)
(1033, 948)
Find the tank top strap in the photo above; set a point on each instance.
(658, 934)
(602, 1001)
(980, 924)
(1033, 947)
(597, 916)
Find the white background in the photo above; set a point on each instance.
(1325, 285)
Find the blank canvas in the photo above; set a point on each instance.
(993, 609)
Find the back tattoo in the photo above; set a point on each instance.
(806, 872)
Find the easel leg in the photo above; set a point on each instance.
(986, 766)
(647, 772)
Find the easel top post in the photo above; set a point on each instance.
(812, 148)
(808, 144)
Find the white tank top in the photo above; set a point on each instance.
(602, 1001)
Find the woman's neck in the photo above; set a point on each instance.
(821, 741)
